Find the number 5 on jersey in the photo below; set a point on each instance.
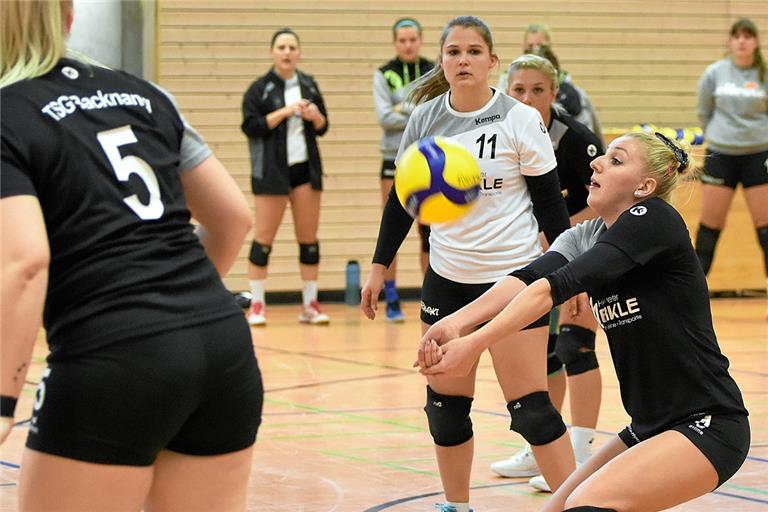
(124, 166)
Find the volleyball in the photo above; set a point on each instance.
(437, 180)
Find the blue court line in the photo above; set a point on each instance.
(389, 504)
(739, 496)
(9, 464)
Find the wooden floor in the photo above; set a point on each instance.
(344, 428)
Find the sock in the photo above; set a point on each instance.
(459, 507)
(581, 439)
(762, 237)
(390, 291)
(706, 240)
(309, 293)
(588, 508)
(257, 290)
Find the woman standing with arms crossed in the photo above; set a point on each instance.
(689, 431)
(391, 85)
(467, 257)
(733, 111)
(283, 114)
(533, 81)
(152, 395)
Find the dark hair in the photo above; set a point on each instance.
(546, 52)
(279, 32)
(433, 84)
(405, 23)
(747, 26)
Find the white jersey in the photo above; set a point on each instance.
(500, 233)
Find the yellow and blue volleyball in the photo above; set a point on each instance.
(437, 180)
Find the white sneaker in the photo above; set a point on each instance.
(539, 484)
(256, 314)
(519, 465)
(313, 315)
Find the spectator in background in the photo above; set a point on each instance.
(574, 99)
(733, 111)
(391, 85)
(283, 114)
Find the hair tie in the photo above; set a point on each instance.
(680, 155)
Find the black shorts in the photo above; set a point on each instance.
(730, 170)
(440, 297)
(298, 174)
(196, 391)
(723, 439)
(387, 170)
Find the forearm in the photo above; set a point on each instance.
(276, 117)
(23, 297)
(489, 304)
(222, 247)
(319, 122)
(528, 306)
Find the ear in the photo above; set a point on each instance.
(646, 188)
(69, 19)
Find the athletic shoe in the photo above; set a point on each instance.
(256, 314)
(521, 464)
(313, 315)
(394, 313)
(539, 484)
(444, 507)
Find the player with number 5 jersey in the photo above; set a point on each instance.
(152, 385)
(520, 195)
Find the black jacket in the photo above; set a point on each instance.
(268, 148)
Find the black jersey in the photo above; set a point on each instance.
(649, 294)
(101, 150)
(575, 147)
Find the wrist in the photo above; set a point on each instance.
(7, 406)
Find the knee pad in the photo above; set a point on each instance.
(448, 418)
(424, 235)
(706, 240)
(762, 237)
(536, 419)
(259, 254)
(309, 254)
(554, 364)
(576, 349)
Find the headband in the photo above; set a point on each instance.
(680, 155)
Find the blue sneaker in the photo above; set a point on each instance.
(444, 507)
(394, 313)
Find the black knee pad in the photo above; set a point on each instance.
(706, 240)
(576, 349)
(589, 508)
(424, 231)
(309, 254)
(554, 364)
(536, 419)
(762, 237)
(259, 254)
(448, 418)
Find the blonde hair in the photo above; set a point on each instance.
(537, 28)
(31, 37)
(663, 165)
(531, 61)
(433, 84)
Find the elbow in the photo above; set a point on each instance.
(29, 267)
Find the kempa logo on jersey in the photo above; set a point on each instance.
(61, 107)
(611, 312)
(429, 310)
(489, 119)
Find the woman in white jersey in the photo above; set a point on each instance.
(467, 257)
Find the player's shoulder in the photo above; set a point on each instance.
(577, 133)
(654, 214)
(391, 65)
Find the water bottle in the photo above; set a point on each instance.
(352, 292)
